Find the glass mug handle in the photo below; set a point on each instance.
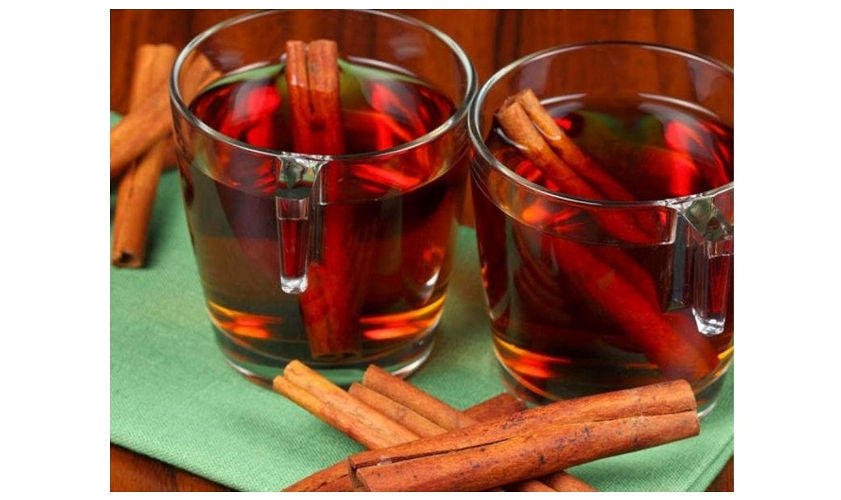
(710, 247)
(297, 189)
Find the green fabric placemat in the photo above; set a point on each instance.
(174, 398)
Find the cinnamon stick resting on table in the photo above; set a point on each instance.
(141, 146)
(137, 188)
(533, 443)
(151, 119)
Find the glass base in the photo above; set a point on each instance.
(401, 361)
(706, 395)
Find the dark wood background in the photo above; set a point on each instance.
(492, 38)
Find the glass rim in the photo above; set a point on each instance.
(457, 116)
(482, 149)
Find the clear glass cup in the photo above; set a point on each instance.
(339, 261)
(588, 290)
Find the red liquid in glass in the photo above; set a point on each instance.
(401, 211)
(576, 311)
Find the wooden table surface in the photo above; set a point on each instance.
(492, 38)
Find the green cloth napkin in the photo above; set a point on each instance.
(174, 398)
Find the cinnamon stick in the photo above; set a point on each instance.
(139, 130)
(569, 152)
(151, 119)
(421, 402)
(499, 460)
(657, 399)
(339, 409)
(519, 126)
(449, 418)
(401, 414)
(137, 188)
(328, 306)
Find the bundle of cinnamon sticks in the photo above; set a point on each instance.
(141, 145)
(419, 443)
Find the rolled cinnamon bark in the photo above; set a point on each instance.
(572, 155)
(665, 398)
(329, 306)
(150, 120)
(520, 128)
(137, 188)
(499, 460)
(339, 409)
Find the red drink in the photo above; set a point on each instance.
(583, 299)
(400, 210)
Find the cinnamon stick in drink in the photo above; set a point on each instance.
(137, 188)
(519, 127)
(328, 306)
(569, 152)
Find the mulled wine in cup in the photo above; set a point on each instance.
(603, 191)
(322, 167)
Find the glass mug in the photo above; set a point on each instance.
(336, 260)
(607, 263)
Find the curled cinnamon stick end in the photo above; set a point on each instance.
(312, 81)
(137, 188)
(339, 409)
(520, 129)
